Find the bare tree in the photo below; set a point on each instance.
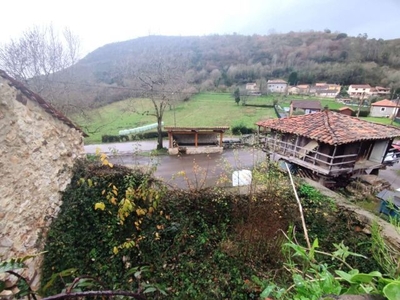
(162, 81)
(37, 55)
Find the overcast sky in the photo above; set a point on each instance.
(101, 22)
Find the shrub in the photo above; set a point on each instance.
(239, 129)
(148, 135)
(197, 244)
(110, 138)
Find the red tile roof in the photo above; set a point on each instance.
(332, 128)
(38, 99)
(385, 103)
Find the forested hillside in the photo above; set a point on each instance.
(219, 62)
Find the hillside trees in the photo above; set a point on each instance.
(213, 63)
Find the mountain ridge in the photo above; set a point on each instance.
(223, 62)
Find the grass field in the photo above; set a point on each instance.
(205, 109)
(202, 110)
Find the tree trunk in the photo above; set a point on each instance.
(159, 131)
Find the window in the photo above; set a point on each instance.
(383, 108)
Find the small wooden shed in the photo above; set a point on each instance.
(346, 111)
(196, 137)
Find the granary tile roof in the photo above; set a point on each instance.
(332, 128)
(38, 99)
(385, 102)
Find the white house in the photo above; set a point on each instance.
(384, 108)
(360, 91)
(277, 86)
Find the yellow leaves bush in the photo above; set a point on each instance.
(99, 205)
(135, 200)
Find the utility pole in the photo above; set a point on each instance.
(361, 101)
(396, 110)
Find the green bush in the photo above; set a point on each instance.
(148, 135)
(363, 112)
(330, 225)
(239, 129)
(196, 244)
(82, 237)
(180, 242)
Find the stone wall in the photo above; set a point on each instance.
(37, 152)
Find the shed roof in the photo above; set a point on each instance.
(304, 104)
(39, 100)
(332, 128)
(210, 128)
(346, 108)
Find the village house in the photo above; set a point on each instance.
(385, 108)
(327, 90)
(277, 86)
(306, 106)
(38, 147)
(331, 145)
(382, 91)
(363, 91)
(360, 91)
(252, 89)
(300, 89)
(251, 86)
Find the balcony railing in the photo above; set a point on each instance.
(309, 155)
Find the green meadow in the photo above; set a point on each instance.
(204, 109)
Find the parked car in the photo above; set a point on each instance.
(392, 157)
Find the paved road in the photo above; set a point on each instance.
(183, 171)
(209, 167)
(392, 175)
(198, 170)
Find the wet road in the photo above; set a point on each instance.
(195, 171)
(392, 175)
(200, 169)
